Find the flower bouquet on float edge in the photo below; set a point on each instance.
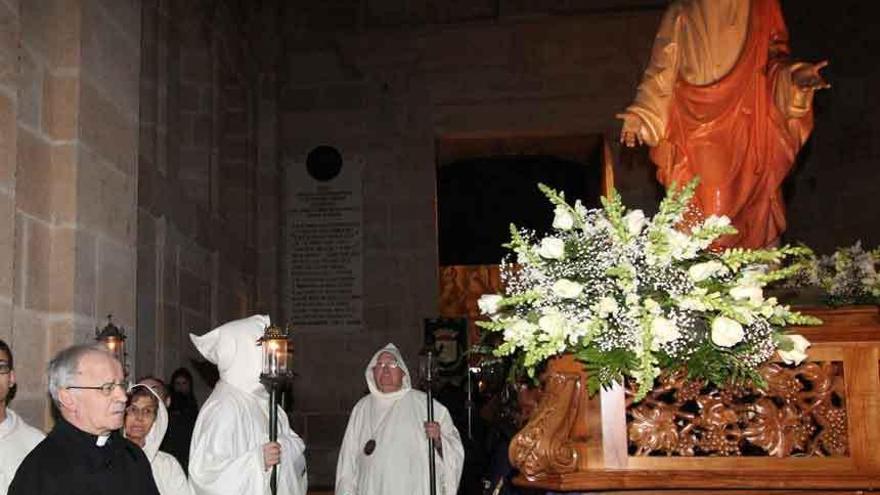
(630, 296)
(849, 276)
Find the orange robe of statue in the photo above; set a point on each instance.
(717, 101)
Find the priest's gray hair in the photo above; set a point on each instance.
(64, 367)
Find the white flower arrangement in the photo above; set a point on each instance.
(629, 296)
(850, 275)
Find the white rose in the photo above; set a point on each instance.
(726, 332)
(567, 289)
(552, 248)
(519, 331)
(754, 294)
(607, 305)
(798, 352)
(553, 324)
(488, 303)
(663, 331)
(562, 219)
(702, 271)
(634, 220)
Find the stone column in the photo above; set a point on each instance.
(68, 183)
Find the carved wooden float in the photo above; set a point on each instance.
(815, 427)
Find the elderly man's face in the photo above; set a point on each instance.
(387, 373)
(7, 377)
(90, 410)
(139, 418)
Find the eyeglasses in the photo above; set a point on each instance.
(106, 388)
(5, 369)
(391, 365)
(147, 412)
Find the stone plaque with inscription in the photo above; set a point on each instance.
(323, 242)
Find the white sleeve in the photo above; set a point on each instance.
(292, 475)
(453, 452)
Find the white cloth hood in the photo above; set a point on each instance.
(371, 380)
(160, 425)
(233, 348)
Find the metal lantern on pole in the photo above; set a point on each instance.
(277, 351)
(113, 338)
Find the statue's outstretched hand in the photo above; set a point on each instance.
(807, 77)
(630, 134)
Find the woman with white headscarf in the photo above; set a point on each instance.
(146, 421)
(384, 451)
(230, 453)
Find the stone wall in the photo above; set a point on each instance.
(206, 197)
(68, 107)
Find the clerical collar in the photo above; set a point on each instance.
(81, 436)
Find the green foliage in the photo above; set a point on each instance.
(605, 367)
(736, 258)
(674, 205)
(614, 211)
(721, 366)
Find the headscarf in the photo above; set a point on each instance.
(160, 424)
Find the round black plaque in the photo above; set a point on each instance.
(324, 163)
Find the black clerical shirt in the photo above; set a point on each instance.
(70, 462)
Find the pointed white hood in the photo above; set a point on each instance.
(233, 348)
(405, 387)
(160, 425)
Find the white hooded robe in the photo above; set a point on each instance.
(226, 453)
(398, 464)
(17, 439)
(169, 476)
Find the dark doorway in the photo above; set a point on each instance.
(479, 197)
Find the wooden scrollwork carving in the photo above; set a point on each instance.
(544, 445)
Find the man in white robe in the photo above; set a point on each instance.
(17, 438)
(230, 453)
(385, 448)
(146, 420)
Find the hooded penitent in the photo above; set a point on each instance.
(169, 476)
(384, 451)
(226, 454)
